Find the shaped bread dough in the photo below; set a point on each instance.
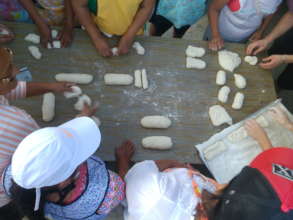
(81, 101)
(57, 44)
(195, 63)
(49, 46)
(54, 34)
(96, 120)
(262, 121)
(155, 121)
(118, 79)
(240, 81)
(33, 38)
(80, 78)
(114, 51)
(219, 115)
(252, 60)
(137, 79)
(48, 107)
(223, 94)
(4, 32)
(214, 150)
(139, 48)
(35, 52)
(237, 135)
(221, 78)
(192, 51)
(228, 60)
(76, 91)
(144, 79)
(157, 142)
(238, 101)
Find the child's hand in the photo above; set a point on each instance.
(4, 38)
(124, 44)
(216, 44)
(66, 35)
(45, 33)
(272, 61)
(280, 116)
(61, 87)
(88, 110)
(103, 47)
(254, 130)
(256, 36)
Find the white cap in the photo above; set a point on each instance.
(50, 155)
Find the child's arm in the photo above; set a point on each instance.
(139, 20)
(215, 8)
(258, 133)
(43, 28)
(257, 35)
(39, 88)
(83, 14)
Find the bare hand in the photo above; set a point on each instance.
(45, 33)
(271, 62)
(280, 116)
(124, 45)
(88, 110)
(125, 151)
(61, 87)
(255, 130)
(216, 44)
(66, 35)
(103, 47)
(256, 36)
(5, 38)
(256, 47)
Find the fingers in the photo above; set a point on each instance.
(266, 59)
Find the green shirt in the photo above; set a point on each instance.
(93, 6)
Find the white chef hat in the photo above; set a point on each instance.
(50, 155)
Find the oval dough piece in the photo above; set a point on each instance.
(238, 101)
(157, 142)
(80, 78)
(195, 63)
(33, 38)
(192, 51)
(114, 51)
(48, 107)
(118, 79)
(35, 52)
(223, 94)
(81, 101)
(76, 91)
(155, 121)
(139, 48)
(252, 60)
(144, 79)
(54, 33)
(221, 78)
(228, 60)
(219, 115)
(240, 81)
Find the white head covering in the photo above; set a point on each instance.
(50, 155)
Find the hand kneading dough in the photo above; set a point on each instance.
(137, 79)
(155, 121)
(79, 78)
(34, 38)
(221, 78)
(238, 101)
(76, 91)
(192, 51)
(118, 79)
(195, 63)
(252, 60)
(139, 49)
(240, 81)
(223, 94)
(81, 101)
(262, 121)
(219, 115)
(35, 52)
(144, 79)
(237, 135)
(48, 107)
(157, 142)
(229, 60)
(214, 150)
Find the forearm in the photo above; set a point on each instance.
(283, 25)
(38, 88)
(287, 58)
(266, 21)
(30, 7)
(164, 164)
(69, 16)
(213, 15)
(264, 143)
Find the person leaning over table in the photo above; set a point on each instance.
(159, 190)
(124, 18)
(281, 51)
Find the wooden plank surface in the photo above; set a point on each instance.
(182, 94)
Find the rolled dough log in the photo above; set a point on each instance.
(221, 78)
(80, 78)
(219, 115)
(237, 135)
(238, 101)
(228, 60)
(33, 38)
(118, 79)
(35, 52)
(252, 60)
(192, 51)
(195, 63)
(139, 48)
(223, 94)
(137, 79)
(214, 150)
(144, 79)
(240, 81)
(76, 91)
(155, 121)
(48, 107)
(157, 142)
(81, 101)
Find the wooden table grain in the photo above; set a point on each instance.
(184, 95)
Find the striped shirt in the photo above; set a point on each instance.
(15, 124)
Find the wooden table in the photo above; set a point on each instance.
(184, 95)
